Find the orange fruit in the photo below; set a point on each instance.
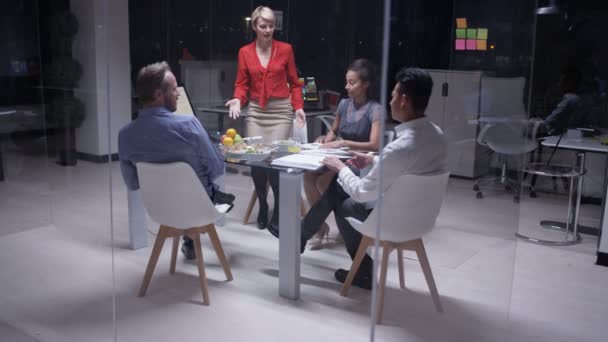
(228, 141)
(231, 132)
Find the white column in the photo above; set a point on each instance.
(102, 42)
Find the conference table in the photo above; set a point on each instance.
(290, 197)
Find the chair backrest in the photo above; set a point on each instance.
(503, 97)
(409, 208)
(389, 136)
(174, 196)
(327, 120)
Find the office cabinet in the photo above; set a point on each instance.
(454, 107)
(209, 83)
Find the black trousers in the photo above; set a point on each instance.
(336, 200)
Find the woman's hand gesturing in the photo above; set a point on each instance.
(235, 108)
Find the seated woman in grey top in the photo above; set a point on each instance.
(358, 126)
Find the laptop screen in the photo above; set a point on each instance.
(184, 106)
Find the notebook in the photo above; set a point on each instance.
(300, 161)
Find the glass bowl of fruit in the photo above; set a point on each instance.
(243, 151)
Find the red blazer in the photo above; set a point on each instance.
(279, 79)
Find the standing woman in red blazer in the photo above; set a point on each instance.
(267, 78)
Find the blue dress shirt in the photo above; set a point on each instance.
(160, 136)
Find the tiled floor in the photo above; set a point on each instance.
(59, 271)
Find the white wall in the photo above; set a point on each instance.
(102, 42)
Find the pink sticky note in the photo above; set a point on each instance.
(460, 44)
(471, 44)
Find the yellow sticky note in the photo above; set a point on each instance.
(482, 44)
(461, 23)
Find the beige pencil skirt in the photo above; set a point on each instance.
(273, 123)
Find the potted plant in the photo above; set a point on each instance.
(64, 111)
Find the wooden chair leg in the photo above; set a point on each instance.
(365, 242)
(383, 270)
(158, 246)
(202, 276)
(303, 210)
(252, 201)
(217, 245)
(428, 274)
(401, 268)
(174, 253)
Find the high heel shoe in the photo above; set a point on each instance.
(262, 220)
(273, 225)
(317, 242)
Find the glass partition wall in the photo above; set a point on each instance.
(57, 282)
(77, 243)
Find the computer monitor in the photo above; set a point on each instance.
(184, 106)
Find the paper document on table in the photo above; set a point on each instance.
(329, 152)
(300, 161)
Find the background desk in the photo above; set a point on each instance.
(221, 112)
(591, 145)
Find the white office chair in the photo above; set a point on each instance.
(327, 120)
(409, 210)
(504, 128)
(174, 198)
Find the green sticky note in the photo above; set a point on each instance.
(471, 33)
(461, 33)
(482, 33)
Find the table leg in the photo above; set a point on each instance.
(138, 222)
(220, 122)
(578, 228)
(290, 186)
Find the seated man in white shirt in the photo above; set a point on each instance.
(419, 149)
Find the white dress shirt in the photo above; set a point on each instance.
(420, 149)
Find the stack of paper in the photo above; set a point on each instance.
(329, 152)
(300, 161)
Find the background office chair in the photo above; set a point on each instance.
(504, 128)
(409, 210)
(181, 207)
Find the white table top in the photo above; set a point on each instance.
(585, 144)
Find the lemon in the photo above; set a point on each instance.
(231, 132)
(228, 141)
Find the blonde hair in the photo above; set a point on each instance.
(263, 12)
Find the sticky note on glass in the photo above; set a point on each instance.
(471, 33)
(471, 44)
(460, 44)
(461, 23)
(461, 33)
(482, 33)
(482, 44)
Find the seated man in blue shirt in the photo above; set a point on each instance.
(160, 136)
